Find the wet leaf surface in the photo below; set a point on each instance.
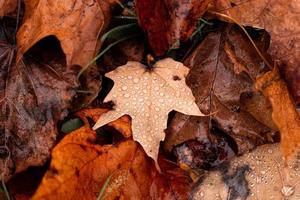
(33, 97)
(148, 96)
(169, 21)
(260, 174)
(80, 166)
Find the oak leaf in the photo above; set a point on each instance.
(80, 167)
(148, 95)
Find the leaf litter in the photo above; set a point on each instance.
(224, 69)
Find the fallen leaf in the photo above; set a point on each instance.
(7, 6)
(33, 97)
(260, 174)
(80, 167)
(148, 95)
(281, 19)
(76, 23)
(218, 88)
(168, 21)
(284, 113)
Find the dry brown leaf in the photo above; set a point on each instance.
(76, 23)
(169, 21)
(148, 95)
(7, 6)
(79, 168)
(281, 18)
(259, 175)
(33, 97)
(284, 112)
(218, 88)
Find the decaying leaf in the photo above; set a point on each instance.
(284, 113)
(169, 21)
(80, 167)
(33, 97)
(148, 95)
(220, 89)
(7, 6)
(260, 174)
(76, 23)
(281, 18)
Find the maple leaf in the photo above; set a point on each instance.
(148, 96)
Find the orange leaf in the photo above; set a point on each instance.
(284, 113)
(76, 23)
(7, 6)
(80, 167)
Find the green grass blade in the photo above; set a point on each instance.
(103, 52)
(104, 186)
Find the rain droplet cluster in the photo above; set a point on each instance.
(148, 97)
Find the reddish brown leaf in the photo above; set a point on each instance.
(76, 23)
(168, 21)
(7, 6)
(218, 89)
(281, 18)
(79, 168)
(33, 97)
(284, 113)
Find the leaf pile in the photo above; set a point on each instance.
(80, 167)
(149, 99)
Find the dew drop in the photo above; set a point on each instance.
(136, 80)
(287, 190)
(161, 94)
(129, 77)
(126, 95)
(161, 100)
(124, 87)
